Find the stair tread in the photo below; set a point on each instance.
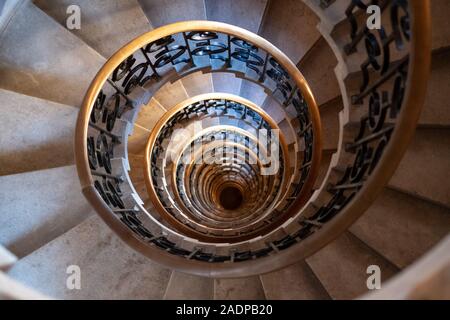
(226, 82)
(295, 282)
(402, 228)
(141, 189)
(36, 129)
(249, 288)
(56, 65)
(109, 269)
(138, 140)
(324, 166)
(247, 14)
(162, 12)
(198, 83)
(318, 69)
(171, 94)
(425, 166)
(274, 109)
(106, 25)
(341, 267)
(292, 36)
(150, 114)
(435, 111)
(137, 168)
(184, 286)
(440, 24)
(38, 207)
(427, 279)
(329, 116)
(253, 92)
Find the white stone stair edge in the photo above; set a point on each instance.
(212, 82)
(7, 11)
(204, 9)
(427, 278)
(7, 259)
(13, 290)
(263, 287)
(168, 285)
(184, 89)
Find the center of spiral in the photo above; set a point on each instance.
(231, 198)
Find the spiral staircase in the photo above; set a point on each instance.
(245, 149)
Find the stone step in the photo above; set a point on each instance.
(39, 206)
(440, 10)
(226, 83)
(56, 64)
(35, 134)
(324, 166)
(435, 111)
(249, 288)
(253, 92)
(171, 94)
(12, 290)
(150, 114)
(276, 111)
(425, 166)
(141, 189)
(106, 26)
(109, 269)
(427, 279)
(138, 140)
(198, 83)
(317, 66)
(402, 228)
(329, 116)
(296, 282)
(247, 14)
(7, 9)
(162, 12)
(137, 168)
(189, 287)
(342, 265)
(291, 26)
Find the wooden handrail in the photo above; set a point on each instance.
(81, 155)
(402, 132)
